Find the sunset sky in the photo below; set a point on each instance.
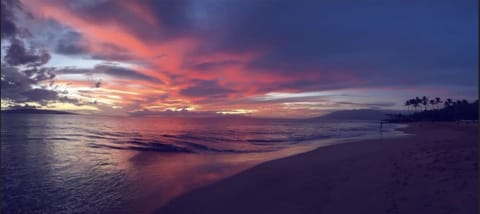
(264, 58)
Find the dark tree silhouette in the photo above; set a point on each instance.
(407, 103)
(424, 102)
(432, 103)
(452, 110)
(417, 102)
(438, 100)
(448, 102)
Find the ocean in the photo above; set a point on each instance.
(104, 164)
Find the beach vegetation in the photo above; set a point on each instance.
(457, 110)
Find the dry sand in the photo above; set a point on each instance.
(432, 171)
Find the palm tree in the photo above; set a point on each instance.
(456, 105)
(432, 102)
(424, 102)
(448, 102)
(416, 103)
(438, 101)
(458, 102)
(407, 103)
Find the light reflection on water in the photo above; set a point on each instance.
(65, 163)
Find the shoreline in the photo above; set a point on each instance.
(434, 169)
(170, 177)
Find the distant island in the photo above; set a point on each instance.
(33, 111)
(356, 114)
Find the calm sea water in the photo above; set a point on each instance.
(92, 164)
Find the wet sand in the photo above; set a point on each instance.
(435, 170)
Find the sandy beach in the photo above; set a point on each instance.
(434, 170)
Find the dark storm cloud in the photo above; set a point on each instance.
(17, 86)
(39, 74)
(22, 68)
(12, 80)
(17, 54)
(69, 44)
(39, 95)
(8, 25)
(207, 89)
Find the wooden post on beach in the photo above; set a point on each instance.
(381, 126)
